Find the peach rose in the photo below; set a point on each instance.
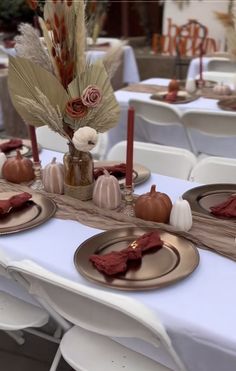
(76, 109)
(91, 96)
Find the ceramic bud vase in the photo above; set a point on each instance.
(78, 174)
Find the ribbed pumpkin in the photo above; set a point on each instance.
(181, 215)
(106, 193)
(154, 206)
(3, 159)
(18, 169)
(53, 177)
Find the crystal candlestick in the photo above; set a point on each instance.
(37, 184)
(128, 208)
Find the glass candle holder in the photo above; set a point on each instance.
(37, 184)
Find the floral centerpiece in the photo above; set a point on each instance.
(56, 86)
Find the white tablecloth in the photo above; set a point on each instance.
(150, 133)
(198, 312)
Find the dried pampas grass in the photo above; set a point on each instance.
(113, 58)
(228, 21)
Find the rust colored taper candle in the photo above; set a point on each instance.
(130, 145)
(34, 144)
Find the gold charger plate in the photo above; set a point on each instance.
(227, 104)
(203, 197)
(141, 173)
(174, 261)
(25, 149)
(182, 97)
(37, 211)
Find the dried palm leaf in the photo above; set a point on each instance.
(28, 45)
(23, 79)
(106, 115)
(113, 58)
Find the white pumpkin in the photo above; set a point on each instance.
(3, 159)
(106, 192)
(85, 139)
(181, 215)
(222, 89)
(53, 177)
(190, 86)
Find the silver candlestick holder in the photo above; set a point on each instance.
(37, 184)
(128, 207)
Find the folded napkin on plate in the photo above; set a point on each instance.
(14, 202)
(116, 261)
(226, 208)
(10, 145)
(118, 170)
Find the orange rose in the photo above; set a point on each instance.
(76, 109)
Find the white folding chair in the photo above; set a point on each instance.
(214, 170)
(165, 160)
(97, 315)
(159, 123)
(221, 65)
(212, 133)
(219, 76)
(17, 314)
(51, 140)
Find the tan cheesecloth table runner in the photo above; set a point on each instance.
(207, 232)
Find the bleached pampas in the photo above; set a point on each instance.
(228, 21)
(43, 110)
(28, 45)
(113, 58)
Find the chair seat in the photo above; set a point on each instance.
(87, 351)
(16, 314)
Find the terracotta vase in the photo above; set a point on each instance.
(78, 174)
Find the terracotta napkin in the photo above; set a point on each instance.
(117, 170)
(10, 145)
(14, 202)
(117, 261)
(226, 208)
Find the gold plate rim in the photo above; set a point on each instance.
(194, 194)
(159, 96)
(25, 144)
(143, 173)
(188, 261)
(48, 209)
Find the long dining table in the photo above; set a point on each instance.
(198, 311)
(211, 145)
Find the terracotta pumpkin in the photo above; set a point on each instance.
(173, 85)
(53, 177)
(18, 169)
(106, 193)
(154, 206)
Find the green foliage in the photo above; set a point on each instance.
(13, 10)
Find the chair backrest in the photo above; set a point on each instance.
(214, 170)
(164, 160)
(222, 65)
(51, 140)
(99, 311)
(159, 123)
(207, 129)
(219, 76)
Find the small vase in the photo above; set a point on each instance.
(78, 174)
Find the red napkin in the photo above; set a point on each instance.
(171, 96)
(117, 261)
(14, 202)
(117, 170)
(11, 144)
(226, 208)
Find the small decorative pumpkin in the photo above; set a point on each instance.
(190, 86)
(18, 169)
(181, 215)
(154, 206)
(106, 192)
(222, 89)
(85, 139)
(53, 177)
(3, 159)
(173, 85)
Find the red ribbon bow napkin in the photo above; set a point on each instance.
(117, 261)
(14, 202)
(117, 170)
(226, 208)
(11, 144)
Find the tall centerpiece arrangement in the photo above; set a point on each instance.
(51, 83)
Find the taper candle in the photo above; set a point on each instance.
(129, 151)
(200, 63)
(34, 144)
